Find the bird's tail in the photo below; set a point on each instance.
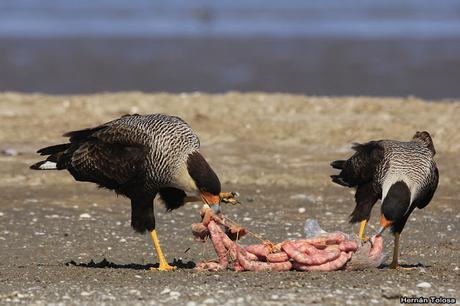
(338, 164)
(339, 179)
(56, 157)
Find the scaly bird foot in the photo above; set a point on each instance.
(164, 267)
(365, 238)
(229, 198)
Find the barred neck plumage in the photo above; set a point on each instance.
(410, 162)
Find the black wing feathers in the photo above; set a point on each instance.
(109, 165)
(365, 198)
(338, 164)
(82, 135)
(172, 197)
(105, 155)
(359, 171)
(360, 168)
(54, 149)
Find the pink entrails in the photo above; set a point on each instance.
(327, 252)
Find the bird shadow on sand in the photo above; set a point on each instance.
(407, 266)
(104, 263)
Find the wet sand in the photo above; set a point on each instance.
(274, 149)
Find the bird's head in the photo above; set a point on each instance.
(425, 139)
(205, 179)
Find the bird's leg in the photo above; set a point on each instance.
(362, 229)
(394, 263)
(164, 266)
(229, 197)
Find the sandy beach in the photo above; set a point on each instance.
(274, 149)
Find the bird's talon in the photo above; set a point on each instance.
(229, 197)
(365, 239)
(164, 267)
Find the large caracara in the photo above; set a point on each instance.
(402, 174)
(140, 157)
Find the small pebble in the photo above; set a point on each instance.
(391, 293)
(209, 301)
(424, 285)
(298, 197)
(85, 216)
(10, 152)
(165, 291)
(174, 294)
(301, 210)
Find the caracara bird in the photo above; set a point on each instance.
(403, 175)
(140, 157)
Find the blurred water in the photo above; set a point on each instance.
(317, 47)
(234, 18)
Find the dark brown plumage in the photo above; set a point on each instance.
(139, 157)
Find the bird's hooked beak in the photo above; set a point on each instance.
(384, 223)
(212, 200)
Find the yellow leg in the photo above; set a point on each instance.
(362, 229)
(394, 264)
(164, 266)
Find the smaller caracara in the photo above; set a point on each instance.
(402, 174)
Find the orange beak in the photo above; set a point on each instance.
(209, 198)
(212, 200)
(384, 223)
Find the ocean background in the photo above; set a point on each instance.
(343, 47)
